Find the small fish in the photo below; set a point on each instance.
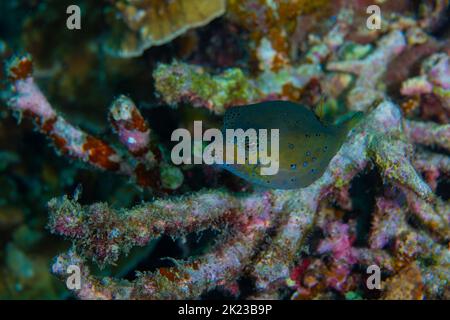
(306, 145)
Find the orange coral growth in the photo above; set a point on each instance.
(291, 92)
(137, 122)
(405, 285)
(100, 153)
(20, 68)
(276, 22)
(410, 105)
(173, 274)
(60, 143)
(48, 125)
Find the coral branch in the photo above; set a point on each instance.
(131, 127)
(434, 79)
(101, 233)
(370, 70)
(432, 165)
(28, 100)
(428, 134)
(121, 230)
(150, 171)
(393, 158)
(188, 279)
(179, 82)
(436, 217)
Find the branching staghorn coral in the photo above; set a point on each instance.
(144, 163)
(262, 232)
(370, 70)
(434, 79)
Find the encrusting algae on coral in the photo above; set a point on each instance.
(246, 218)
(372, 191)
(181, 83)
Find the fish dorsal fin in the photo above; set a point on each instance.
(320, 111)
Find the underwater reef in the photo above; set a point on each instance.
(86, 176)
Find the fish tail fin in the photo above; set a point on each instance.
(354, 119)
(349, 121)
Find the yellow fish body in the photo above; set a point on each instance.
(306, 146)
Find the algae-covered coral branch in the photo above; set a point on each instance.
(289, 214)
(248, 218)
(179, 82)
(370, 70)
(28, 100)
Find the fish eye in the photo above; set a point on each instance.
(317, 134)
(290, 146)
(308, 153)
(314, 159)
(313, 170)
(293, 166)
(325, 148)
